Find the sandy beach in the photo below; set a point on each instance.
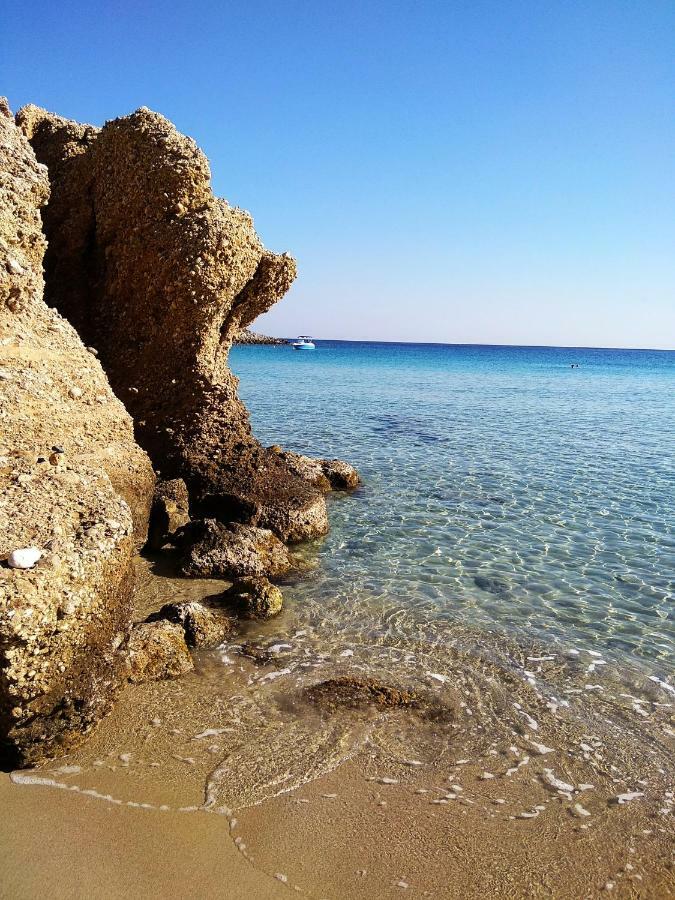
(345, 835)
(220, 784)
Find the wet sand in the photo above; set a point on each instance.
(59, 846)
(346, 835)
(230, 783)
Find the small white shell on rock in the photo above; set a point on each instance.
(24, 558)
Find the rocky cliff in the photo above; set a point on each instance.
(151, 277)
(75, 491)
(159, 275)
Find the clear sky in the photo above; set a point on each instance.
(484, 171)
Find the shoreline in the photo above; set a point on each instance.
(343, 800)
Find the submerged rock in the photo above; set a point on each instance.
(254, 598)
(204, 627)
(214, 550)
(170, 512)
(360, 692)
(157, 650)
(63, 621)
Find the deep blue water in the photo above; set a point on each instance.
(503, 489)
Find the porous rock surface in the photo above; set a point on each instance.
(160, 276)
(157, 650)
(216, 550)
(254, 597)
(73, 483)
(324, 474)
(204, 626)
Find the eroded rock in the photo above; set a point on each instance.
(254, 598)
(214, 550)
(63, 620)
(157, 650)
(324, 474)
(132, 215)
(204, 627)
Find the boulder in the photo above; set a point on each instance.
(324, 474)
(73, 485)
(131, 215)
(341, 475)
(214, 550)
(157, 650)
(254, 598)
(170, 512)
(204, 627)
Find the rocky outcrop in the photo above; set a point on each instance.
(246, 336)
(159, 276)
(204, 626)
(254, 598)
(156, 651)
(73, 485)
(215, 550)
(324, 474)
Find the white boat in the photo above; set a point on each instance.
(304, 342)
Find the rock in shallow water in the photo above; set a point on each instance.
(157, 650)
(324, 474)
(359, 692)
(255, 598)
(215, 550)
(204, 627)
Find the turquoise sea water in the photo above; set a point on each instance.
(504, 490)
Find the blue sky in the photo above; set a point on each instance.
(470, 171)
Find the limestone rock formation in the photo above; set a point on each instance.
(157, 650)
(73, 484)
(254, 598)
(204, 626)
(159, 276)
(215, 550)
(170, 512)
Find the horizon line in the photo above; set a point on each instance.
(477, 344)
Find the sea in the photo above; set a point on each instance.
(525, 492)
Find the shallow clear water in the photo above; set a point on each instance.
(508, 561)
(503, 489)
